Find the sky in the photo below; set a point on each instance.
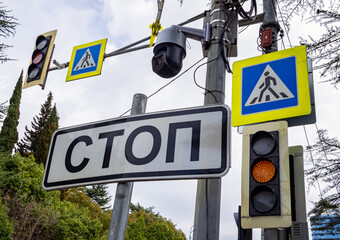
(110, 94)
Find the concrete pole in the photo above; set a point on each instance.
(208, 195)
(120, 212)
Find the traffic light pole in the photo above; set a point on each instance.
(270, 23)
(208, 195)
(120, 211)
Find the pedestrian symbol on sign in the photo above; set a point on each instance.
(86, 61)
(269, 88)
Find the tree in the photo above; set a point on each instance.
(3, 110)
(145, 224)
(44, 138)
(99, 195)
(9, 133)
(7, 28)
(324, 49)
(6, 227)
(30, 142)
(37, 214)
(325, 167)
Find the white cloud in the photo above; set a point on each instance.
(110, 94)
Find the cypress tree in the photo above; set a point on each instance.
(28, 145)
(9, 133)
(44, 139)
(3, 110)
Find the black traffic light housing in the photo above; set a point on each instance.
(40, 60)
(265, 192)
(264, 175)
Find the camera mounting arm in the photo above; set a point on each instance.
(203, 35)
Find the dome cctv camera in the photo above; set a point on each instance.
(169, 52)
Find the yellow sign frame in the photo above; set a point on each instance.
(89, 73)
(303, 96)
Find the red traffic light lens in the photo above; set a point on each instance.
(263, 171)
(41, 42)
(263, 199)
(263, 143)
(37, 56)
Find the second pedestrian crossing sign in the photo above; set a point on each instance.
(270, 87)
(86, 60)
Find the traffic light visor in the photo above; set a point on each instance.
(263, 143)
(263, 171)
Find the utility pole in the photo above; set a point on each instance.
(269, 31)
(120, 211)
(208, 195)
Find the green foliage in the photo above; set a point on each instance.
(3, 110)
(75, 223)
(144, 224)
(99, 194)
(28, 212)
(9, 133)
(37, 214)
(6, 227)
(45, 137)
(36, 140)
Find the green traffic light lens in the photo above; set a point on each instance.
(263, 199)
(41, 42)
(263, 143)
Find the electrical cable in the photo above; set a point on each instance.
(247, 14)
(311, 156)
(167, 84)
(284, 24)
(244, 14)
(226, 26)
(326, 157)
(205, 89)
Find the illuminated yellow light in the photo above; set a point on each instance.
(263, 171)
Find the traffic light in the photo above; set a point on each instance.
(40, 60)
(265, 199)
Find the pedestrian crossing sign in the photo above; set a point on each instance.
(86, 60)
(270, 87)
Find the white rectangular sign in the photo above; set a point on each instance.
(181, 144)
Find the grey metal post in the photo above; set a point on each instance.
(120, 212)
(299, 229)
(208, 195)
(270, 22)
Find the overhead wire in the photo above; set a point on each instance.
(167, 84)
(244, 14)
